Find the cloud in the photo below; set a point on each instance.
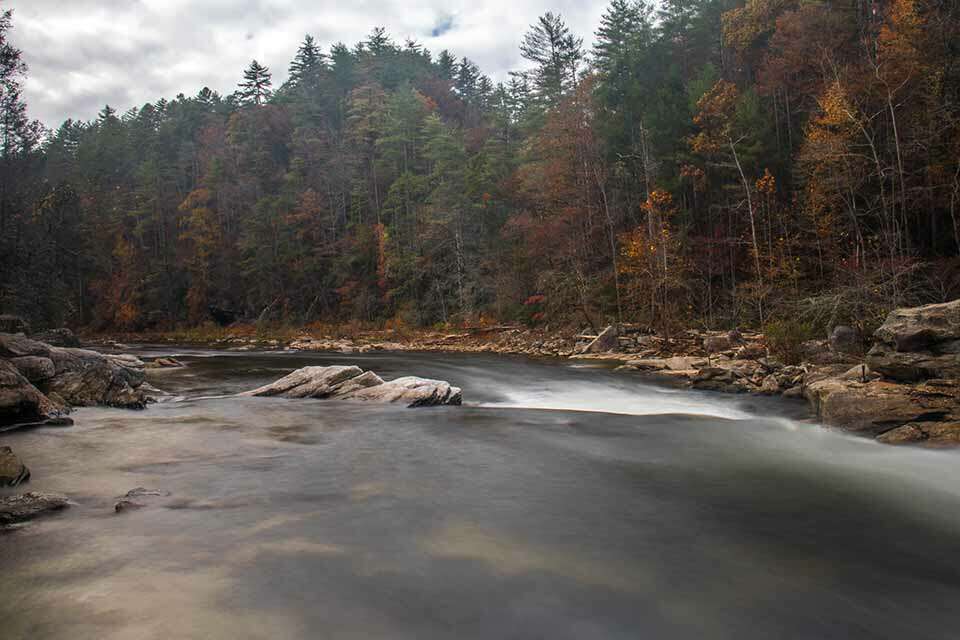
(84, 54)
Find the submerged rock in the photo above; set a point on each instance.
(352, 383)
(26, 506)
(12, 471)
(137, 498)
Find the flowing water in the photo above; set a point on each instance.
(559, 502)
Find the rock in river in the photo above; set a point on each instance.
(12, 471)
(352, 383)
(26, 506)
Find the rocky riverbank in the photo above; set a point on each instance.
(903, 389)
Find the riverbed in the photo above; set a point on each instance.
(561, 501)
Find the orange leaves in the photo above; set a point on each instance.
(715, 114)
(767, 184)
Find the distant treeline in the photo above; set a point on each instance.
(709, 162)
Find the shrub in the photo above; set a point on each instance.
(785, 339)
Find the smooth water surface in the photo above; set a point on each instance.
(561, 501)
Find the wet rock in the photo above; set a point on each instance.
(935, 433)
(606, 341)
(34, 368)
(20, 401)
(309, 382)
(13, 324)
(918, 343)
(877, 407)
(12, 471)
(411, 391)
(770, 385)
(62, 337)
(164, 363)
(352, 383)
(26, 506)
(87, 378)
(137, 499)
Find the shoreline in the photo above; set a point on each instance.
(841, 388)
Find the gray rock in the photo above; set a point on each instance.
(34, 368)
(87, 378)
(918, 343)
(352, 383)
(12, 471)
(26, 506)
(606, 341)
(18, 345)
(844, 339)
(20, 401)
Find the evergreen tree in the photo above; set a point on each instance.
(307, 62)
(255, 88)
(556, 53)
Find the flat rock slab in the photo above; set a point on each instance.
(26, 506)
(353, 383)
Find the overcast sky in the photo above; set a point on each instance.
(83, 54)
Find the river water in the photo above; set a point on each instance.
(558, 502)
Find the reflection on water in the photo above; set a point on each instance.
(561, 502)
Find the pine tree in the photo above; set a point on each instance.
(255, 88)
(307, 62)
(557, 55)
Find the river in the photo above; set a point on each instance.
(560, 501)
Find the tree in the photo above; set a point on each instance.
(255, 88)
(307, 62)
(556, 53)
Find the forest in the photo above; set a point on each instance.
(702, 163)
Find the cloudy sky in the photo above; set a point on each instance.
(83, 54)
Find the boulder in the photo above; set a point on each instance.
(352, 383)
(34, 368)
(411, 391)
(19, 508)
(918, 343)
(20, 401)
(606, 341)
(12, 470)
(87, 378)
(13, 324)
(844, 339)
(18, 345)
(930, 433)
(62, 337)
(877, 407)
